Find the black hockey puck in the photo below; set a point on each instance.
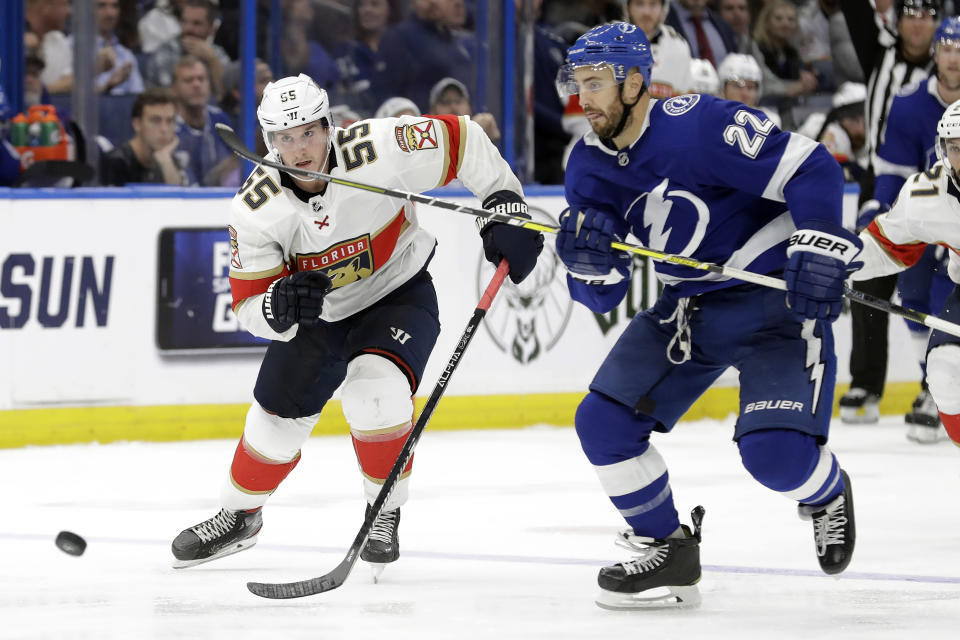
(71, 543)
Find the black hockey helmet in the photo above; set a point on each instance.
(933, 7)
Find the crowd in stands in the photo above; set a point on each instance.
(369, 54)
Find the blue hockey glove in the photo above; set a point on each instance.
(295, 298)
(819, 258)
(870, 210)
(583, 243)
(519, 246)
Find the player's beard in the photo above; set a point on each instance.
(611, 118)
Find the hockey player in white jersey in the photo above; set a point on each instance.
(670, 75)
(337, 278)
(926, 212)
(741, 79)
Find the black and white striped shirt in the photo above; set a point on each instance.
(878, 49)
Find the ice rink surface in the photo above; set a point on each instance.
(502, 538)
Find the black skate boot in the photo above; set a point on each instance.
(924, 420)
(857, 406)
(834, 529)
(225, 533)
(671, 566)
(383, 544)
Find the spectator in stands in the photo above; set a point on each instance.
(449, 96)
(118, 70)
(231, 103)
(812, 41)
(843, 55)
(303, 54)
(709, 36)
(9, 158)
(397, 106)
(159, 24)
(209, 158)
(358, 59)
(670, 75)
(784, 72)
(198, 24)
(736, 13)
(421, 50)
(549, 136)
(150, 156)
(34, 92)
(46, 21)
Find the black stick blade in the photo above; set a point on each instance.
(311, 587)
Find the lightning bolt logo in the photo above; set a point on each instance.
(655, 216)
(816, 366)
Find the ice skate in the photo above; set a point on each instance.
(923, 421)
(664, 573)
(834, 529)
(383, 544)
(857, 406)
(222, 535)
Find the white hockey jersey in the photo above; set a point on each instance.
(927, 211)
(367, 243)
(670, 74)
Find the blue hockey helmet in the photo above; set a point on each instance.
(947, 33)
(618, 45)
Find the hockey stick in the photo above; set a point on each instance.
(232, 140)
(338, 576)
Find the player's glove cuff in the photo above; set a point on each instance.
(825, 239)
(275, 317)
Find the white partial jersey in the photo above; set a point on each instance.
(367, 243)
(670, 74)
(927, 211)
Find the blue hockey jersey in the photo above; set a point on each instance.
(909, 137)
(709, 179)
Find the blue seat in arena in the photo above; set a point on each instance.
(114, 121)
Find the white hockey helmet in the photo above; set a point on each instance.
(947, 129)
(740, 67)
(290, 102)
(849, 93)
(705, 79)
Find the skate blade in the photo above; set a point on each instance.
(659, 598)
(863, 415)
(376, 568)
(229, 551)
(922, 434)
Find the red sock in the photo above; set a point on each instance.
(952, 426)
(253, 473)
(377, 453)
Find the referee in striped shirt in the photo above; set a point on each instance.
(891, 60)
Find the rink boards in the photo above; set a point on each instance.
(115, 324)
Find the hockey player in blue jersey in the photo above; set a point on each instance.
(716, 181)
(907, 147)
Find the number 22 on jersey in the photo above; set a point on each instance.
(736, 134)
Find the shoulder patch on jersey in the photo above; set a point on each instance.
(681, 104)
(417, 136)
